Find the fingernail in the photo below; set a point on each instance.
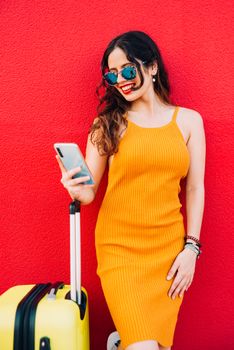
(168, 277)
(173, 297)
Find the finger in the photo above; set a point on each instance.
(182, 284)
(173, 287)
(71, 183)
(78, 181)
(189, 284)
(89, 185)
(62, 168)
(63, 182)
(179, 278)
(178, 289)
(183, 290)
(73, 172)
(172, 270)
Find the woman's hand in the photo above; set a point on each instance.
(82, 192)
(185, 264)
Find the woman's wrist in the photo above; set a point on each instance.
(193, 252)
(89, 198)
(85, 200)
(193, 243)
(194, 247)
(189, 238)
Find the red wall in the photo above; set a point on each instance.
(49, 69)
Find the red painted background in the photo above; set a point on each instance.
(49, 69)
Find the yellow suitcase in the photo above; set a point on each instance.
(48, 316)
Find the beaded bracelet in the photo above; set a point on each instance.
(195, 239)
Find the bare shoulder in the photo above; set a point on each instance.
(190, 117)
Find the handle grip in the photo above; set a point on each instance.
(53, 289)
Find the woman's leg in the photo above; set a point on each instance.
(163, 347)
(143, 345)
(120, 347)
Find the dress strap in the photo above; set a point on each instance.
(175, 113)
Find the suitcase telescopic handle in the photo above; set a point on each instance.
(75, 252)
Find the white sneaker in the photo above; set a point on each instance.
(113, 341)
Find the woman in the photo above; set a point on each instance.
(146, 259)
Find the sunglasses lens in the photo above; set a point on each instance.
(110, 78)
(129, 72)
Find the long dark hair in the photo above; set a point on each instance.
(112, 105)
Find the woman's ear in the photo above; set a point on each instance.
(154, 68)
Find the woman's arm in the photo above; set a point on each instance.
(185, 262)
(76, 189)
(195, 191)
(95, 162)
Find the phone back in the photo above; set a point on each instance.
(71, 158)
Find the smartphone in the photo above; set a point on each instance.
(72, 157)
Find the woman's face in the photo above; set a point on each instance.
(116, 61)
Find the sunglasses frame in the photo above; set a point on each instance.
(120, 72)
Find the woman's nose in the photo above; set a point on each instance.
(120, 78)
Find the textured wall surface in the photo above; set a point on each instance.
(49, 68)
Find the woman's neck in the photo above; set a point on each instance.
(149, 105)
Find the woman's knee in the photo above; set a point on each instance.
(144, 345)
(163, 347)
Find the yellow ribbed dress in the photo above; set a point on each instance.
(140, 231)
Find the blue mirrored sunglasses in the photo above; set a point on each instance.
(128, 73)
